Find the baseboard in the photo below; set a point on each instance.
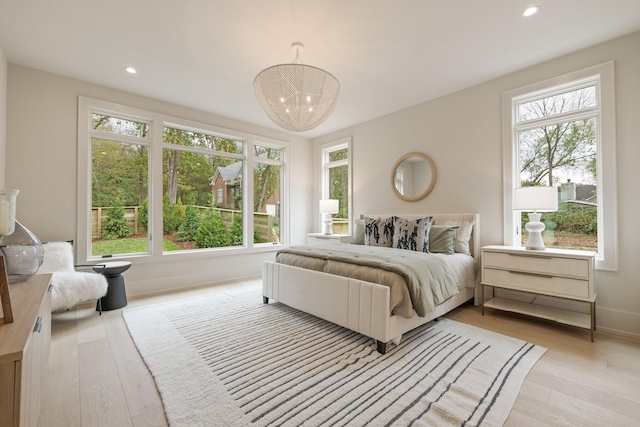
(618, 322)
(167, 282)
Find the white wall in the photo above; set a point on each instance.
(41, 162)
(462, 134)
(3, 117)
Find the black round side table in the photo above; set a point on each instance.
(116, 296)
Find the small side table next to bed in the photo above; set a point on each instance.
(556, 273)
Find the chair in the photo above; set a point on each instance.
(70, 286)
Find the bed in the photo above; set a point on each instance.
(366, 306)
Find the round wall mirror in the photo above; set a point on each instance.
(413, 177)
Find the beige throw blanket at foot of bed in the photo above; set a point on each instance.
(428, 283)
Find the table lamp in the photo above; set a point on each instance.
(328, 207)
(535, 200)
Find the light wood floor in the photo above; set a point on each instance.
(97, 378)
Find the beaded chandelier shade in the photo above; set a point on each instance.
(296, 97)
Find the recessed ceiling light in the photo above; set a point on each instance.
(131, 70)
(530, 11)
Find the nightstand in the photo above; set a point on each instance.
(559, 273)
(328, 239)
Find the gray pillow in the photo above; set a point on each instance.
(442, 239)
(358, 234)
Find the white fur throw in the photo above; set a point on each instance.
(70, 287)
(58, 256)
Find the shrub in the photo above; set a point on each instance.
(116, 226)
(577, 221)
(172, 215)
(143, 214)
(190, 224)
(236, 230)
(211, 233)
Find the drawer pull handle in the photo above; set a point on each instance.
(38, 325)
(50, 287)
(546, 276)
(531, 256)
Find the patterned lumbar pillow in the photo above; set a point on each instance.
(412, 234)
(378, 231)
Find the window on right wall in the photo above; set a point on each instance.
(561, 133)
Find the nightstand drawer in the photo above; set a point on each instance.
(538, 283)
(551, 265)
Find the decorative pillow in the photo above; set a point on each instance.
(442, 239)
(379, 231)
(463, 235)
(412, 234)
(358, 234)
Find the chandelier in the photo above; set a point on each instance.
(296, 97)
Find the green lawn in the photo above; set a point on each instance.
(128, 246)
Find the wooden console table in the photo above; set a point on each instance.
(24, 352)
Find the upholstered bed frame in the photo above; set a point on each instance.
(354, 304)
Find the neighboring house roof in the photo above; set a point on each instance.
(585, 192)
(229, 173)
(586, 195)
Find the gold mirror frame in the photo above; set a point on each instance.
(430, 183)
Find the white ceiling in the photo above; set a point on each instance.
(387, 55)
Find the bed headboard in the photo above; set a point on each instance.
(474, 242)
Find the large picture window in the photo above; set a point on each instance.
(561, 135)
(151, 175)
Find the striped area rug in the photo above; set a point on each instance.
(227, 359)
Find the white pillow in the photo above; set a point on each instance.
(463, 235)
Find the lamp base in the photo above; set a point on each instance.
(327, 228)
(535, 229)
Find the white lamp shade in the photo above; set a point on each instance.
(329, 206)
(535, 199)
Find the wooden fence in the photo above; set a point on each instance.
(266, 228)
(340, 226)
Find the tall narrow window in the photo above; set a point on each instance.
(336, 182)
(119, 185)
(267, 192)
(560, 137)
